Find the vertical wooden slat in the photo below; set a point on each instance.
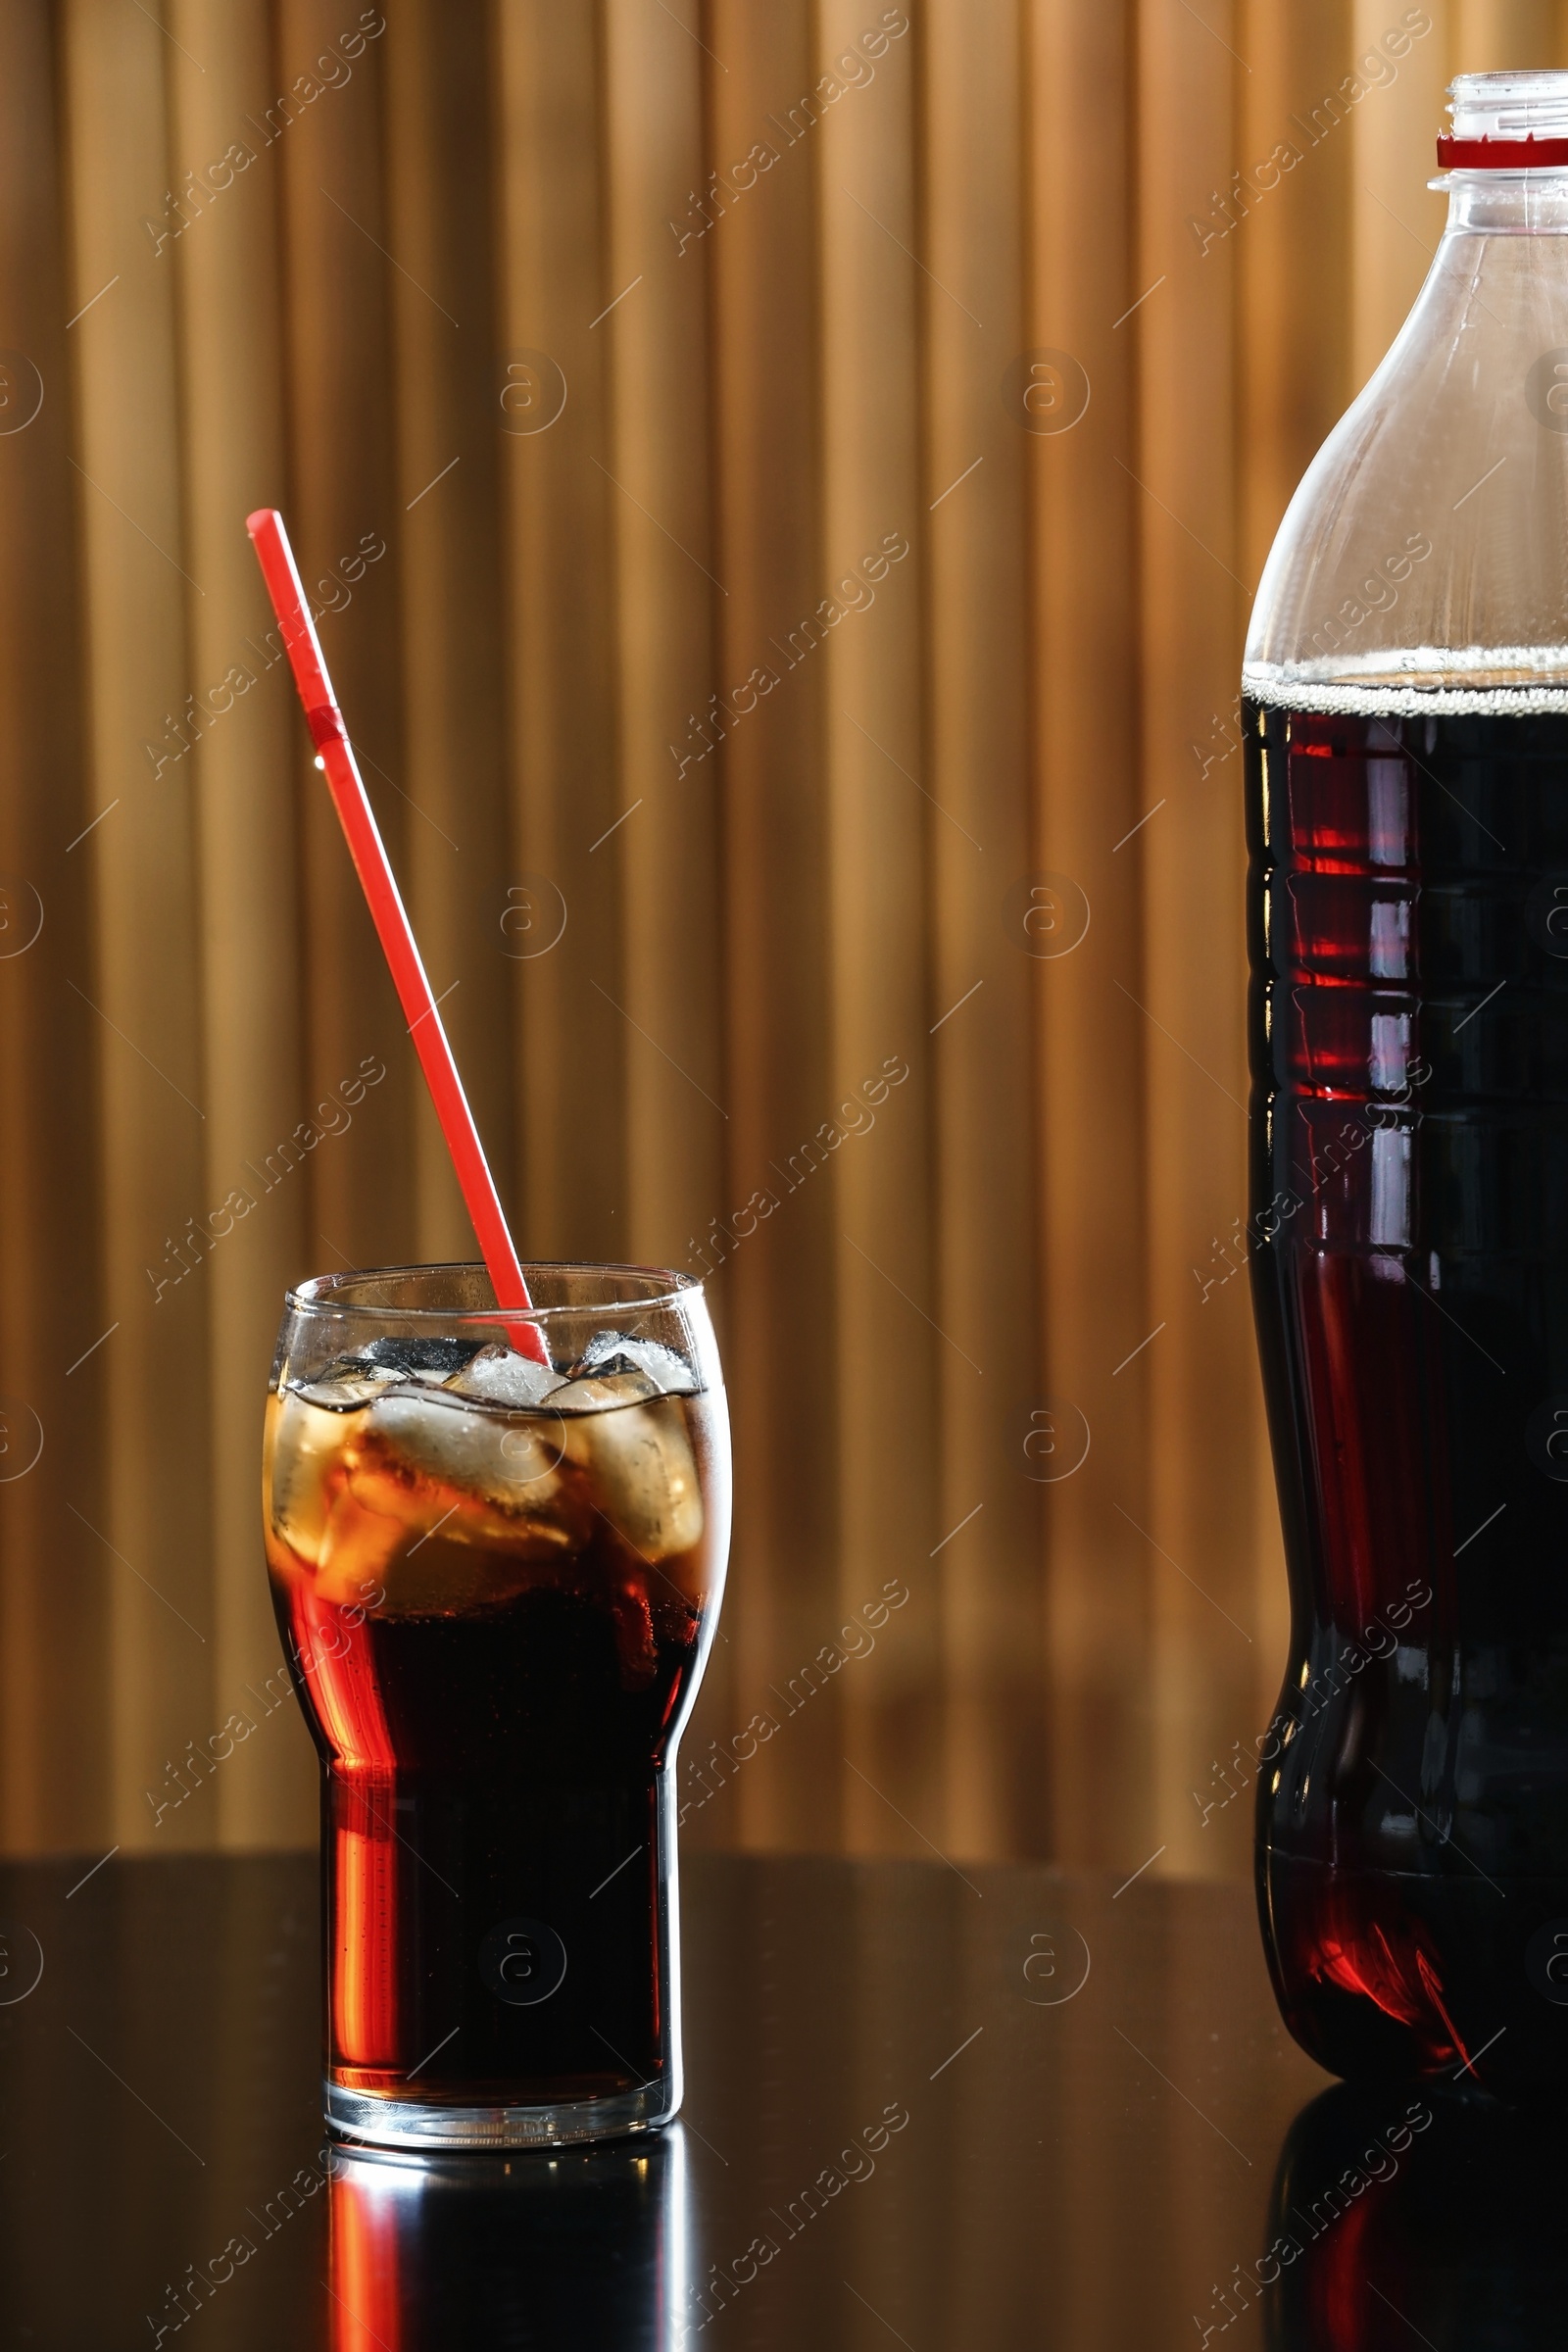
(322, 156)
(1393, 126)
(145, 985)
(777, 1285)
(253, 1091)
(984, 1299)
(54, 1571)
(1205, 1461)
(576, 1036)
(452, 797)
(1292, 254)
(666, 847)
(878, 822)
(1491, 36)
(1094, 1040)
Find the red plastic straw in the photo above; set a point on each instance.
(387, 911)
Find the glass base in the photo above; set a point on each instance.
(419, 2124)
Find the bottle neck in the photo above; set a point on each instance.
(1507, 204)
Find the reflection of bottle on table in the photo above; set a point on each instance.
(1401, 2219)
(579, 2246)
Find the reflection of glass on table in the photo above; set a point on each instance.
(577, 2247)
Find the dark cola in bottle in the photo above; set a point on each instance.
(1406, 723)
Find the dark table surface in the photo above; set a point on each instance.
(990, 2109)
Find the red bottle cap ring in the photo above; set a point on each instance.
(1499, 155)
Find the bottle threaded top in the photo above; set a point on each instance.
(1509, 106)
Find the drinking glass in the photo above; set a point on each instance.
(496, 1582)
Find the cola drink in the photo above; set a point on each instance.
(1406, 746)
(496, 1582)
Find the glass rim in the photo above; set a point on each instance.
(313, 1296)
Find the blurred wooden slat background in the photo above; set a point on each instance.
(722, 724)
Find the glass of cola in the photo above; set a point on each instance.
(497, 1580)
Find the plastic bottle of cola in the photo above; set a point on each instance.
(1407, 704)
